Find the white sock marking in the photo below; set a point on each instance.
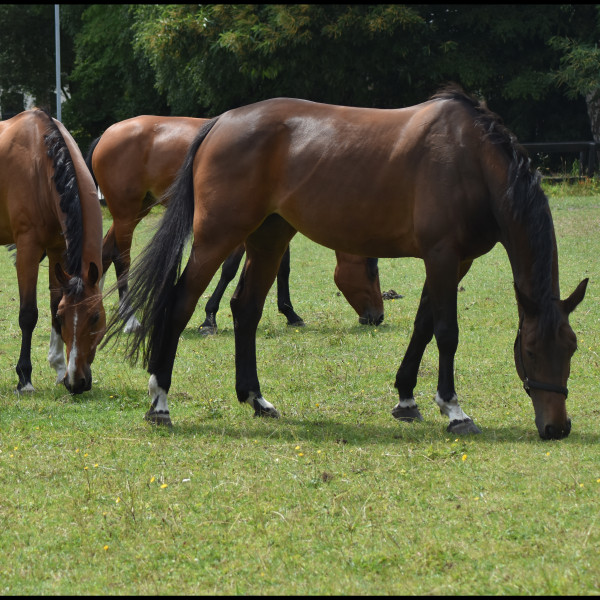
(406, 403)
(56, 355)
(451, 409)
(253, 399)
(132, 324)
(158, 395)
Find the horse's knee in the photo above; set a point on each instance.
(446, 335)
(28, 317)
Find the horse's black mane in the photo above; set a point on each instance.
(524, 196)
(65, 180)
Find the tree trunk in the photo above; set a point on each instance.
(592, 100)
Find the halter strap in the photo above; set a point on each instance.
(532, 384)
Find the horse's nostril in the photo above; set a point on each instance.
(552, 432)
(370, 320)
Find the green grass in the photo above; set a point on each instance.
(336, 497)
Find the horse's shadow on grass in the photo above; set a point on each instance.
(363, 434)
(318, 328)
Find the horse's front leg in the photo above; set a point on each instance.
(442, 288)
(56, 353)
(27, 273)
(264, 249)
(406, 377)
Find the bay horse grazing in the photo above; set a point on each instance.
(49, 206)
(135, 161)
(443, 181)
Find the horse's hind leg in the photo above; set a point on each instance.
(228, 271)
(284, 302)
(27, 274)
(116, 247)
(264, 249)
(203, 263)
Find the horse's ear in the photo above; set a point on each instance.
(62, 277)
(570, 304)
(526, 303)
(93, 274)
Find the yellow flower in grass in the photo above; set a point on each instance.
(164, 485)
(152, 479)
(464, 457)
(105, 548)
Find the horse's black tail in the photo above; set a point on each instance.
(65, 180)
(155, 271)
(88, 158)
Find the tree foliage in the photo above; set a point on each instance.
(579, 70)
(27, 53)
(109, 81)
(230, 55)
(536, 65)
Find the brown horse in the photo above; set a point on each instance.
(49, 206)
(136, 160)
(443, 181)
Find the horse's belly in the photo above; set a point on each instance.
(357, 234)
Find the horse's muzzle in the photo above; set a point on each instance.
(80, 385)
(370, 319)
(553, 432)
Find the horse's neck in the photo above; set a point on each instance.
(523, 255)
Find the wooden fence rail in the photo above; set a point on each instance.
(587, 152)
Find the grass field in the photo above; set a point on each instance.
(336, 497)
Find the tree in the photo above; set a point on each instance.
(228, 55)
(110, 82)
(369, 55)
(27, 53)
(579, 69)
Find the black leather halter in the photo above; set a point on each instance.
(531, 384)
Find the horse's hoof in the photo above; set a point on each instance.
(25, 389)
(407, 414)
(158, 418)
(207, 330)
(299, 323)
(463, 427)
(267, 412)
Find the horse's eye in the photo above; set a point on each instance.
(59, 319)
(94, 318)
